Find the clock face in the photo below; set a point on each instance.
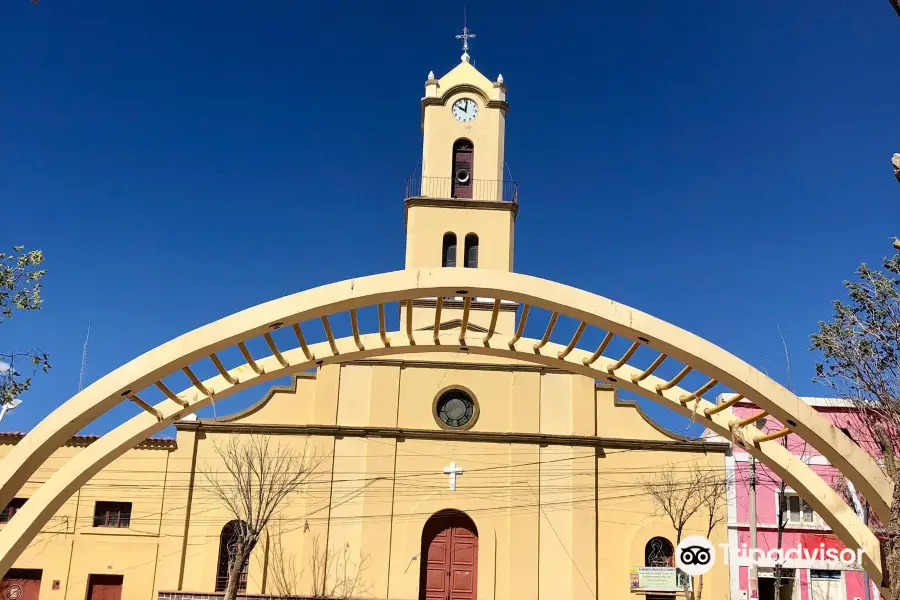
(464, 110)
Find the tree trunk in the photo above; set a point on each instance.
(235, 568)
(891, 549)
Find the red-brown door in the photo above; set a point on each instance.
(450, 558)
(104, 587)
(21, 584)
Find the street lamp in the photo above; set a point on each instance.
(8, 406)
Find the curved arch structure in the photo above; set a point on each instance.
(672, 344)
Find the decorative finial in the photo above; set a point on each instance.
(465, 37)
(500, 78)
(430, 75)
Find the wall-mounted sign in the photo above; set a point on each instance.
(13, 592)
(658, 579)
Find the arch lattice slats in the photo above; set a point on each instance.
(694, 353)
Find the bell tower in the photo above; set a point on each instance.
(460, 211)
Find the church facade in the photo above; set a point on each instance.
(448, 476)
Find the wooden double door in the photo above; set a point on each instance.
(21, 584)
(449, 558)
(105, 587)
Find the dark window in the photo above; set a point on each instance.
(14, 505)
(448, 251)
(824, 574)
(471, 248)
(112, 514)
(228, 543)
(455, 408)
(659, 552)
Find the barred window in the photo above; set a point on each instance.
(112, 514)
(14, 505)
(228, 542)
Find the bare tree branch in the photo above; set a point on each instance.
(681, 495)
(254, 479)
(339, 577)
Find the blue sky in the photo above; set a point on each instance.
(720, 165)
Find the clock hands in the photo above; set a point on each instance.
(465, 109)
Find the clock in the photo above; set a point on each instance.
(464, 110)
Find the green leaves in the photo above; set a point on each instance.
(20, 290)
(860, 347)
(20, 287)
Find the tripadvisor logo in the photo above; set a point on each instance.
(694, 555)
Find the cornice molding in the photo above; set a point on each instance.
(462, 88)
(542, 439)
(512, 207)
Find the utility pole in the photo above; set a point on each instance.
(753, 579)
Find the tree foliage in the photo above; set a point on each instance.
(860, 347)
(20, 290)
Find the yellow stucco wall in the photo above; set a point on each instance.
(70, 548)
(554, 521)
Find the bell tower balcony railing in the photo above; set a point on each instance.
(475, 189)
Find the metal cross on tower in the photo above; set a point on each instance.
(465, 37)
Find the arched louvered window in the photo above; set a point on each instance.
(463, 167)
(471, 255)
(448, 250)
(227, 549)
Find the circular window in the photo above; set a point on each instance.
(455, 409)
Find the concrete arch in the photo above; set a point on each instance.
(403, 287)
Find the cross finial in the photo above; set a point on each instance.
(465, 37)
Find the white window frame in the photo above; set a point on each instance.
(814, 521)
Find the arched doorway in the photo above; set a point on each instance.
(449, 558)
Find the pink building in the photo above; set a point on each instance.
(811, 576)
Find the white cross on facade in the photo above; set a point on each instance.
(453, 471)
